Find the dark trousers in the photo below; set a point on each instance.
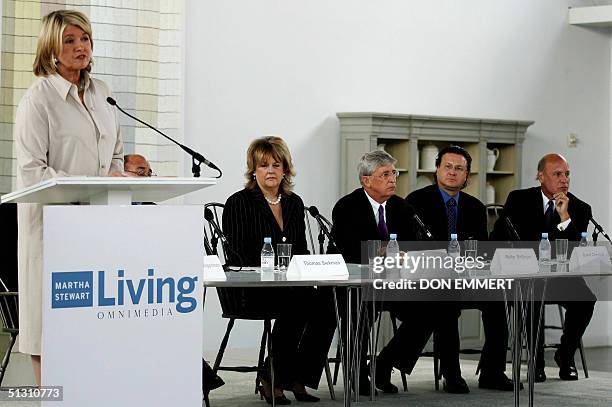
(493, 358)
(419, 320)
(574, 295)
(577, 317)
(301, 336)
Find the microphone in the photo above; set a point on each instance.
(417, 219)
(515, 234)
(314, 212)
(324, 224)
(599, 229)
(197, 158)
(208, 215)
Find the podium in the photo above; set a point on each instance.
(122, 290)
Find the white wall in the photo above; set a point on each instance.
(255, 67)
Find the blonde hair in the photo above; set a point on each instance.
(265, 147)
(50, 39)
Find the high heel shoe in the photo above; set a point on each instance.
(308, 398)
(278, 400)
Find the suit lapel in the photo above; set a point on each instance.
(289, 208)
(439, 208)
(262, 207)
(366, 207)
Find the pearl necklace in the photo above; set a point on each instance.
(275, 202)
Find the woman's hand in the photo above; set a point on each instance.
(118, 174)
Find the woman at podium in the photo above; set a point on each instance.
(63, 127)
(305, 322)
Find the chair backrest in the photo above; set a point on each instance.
(8, 260)
(309, 239)
(493, 213)
(9, 309)
(9, 300)
(212, 244)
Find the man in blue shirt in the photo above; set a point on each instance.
(446, 209)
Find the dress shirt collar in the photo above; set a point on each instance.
(446, 196)
(63, 86)
(545, 202)
(375, 206)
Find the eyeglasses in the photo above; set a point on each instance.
(388, 174)
(451, 167)
(141, 172)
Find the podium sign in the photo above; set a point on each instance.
(122, 312)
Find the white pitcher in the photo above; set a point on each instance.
(490, 194)
(492, 156)
(428, 157)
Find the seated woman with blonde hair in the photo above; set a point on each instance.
(267, 207)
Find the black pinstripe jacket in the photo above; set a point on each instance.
(247, 219)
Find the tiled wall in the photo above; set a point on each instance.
(137, 52)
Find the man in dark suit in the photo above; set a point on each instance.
(446, 209)
(371, 212)
(551, 208)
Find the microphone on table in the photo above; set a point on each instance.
(417, 219)
(599, 229)
(324, 224)
(210, 217)
(197, 158)
(513, 231)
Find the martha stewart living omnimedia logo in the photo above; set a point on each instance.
(119, 296)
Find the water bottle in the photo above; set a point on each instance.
(544, 249)
(392, 246)
(583, 240)
(454, 250)
(267, 255)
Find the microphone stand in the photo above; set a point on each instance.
(214, 239)
(321, 241)
(197, 159)
(598, 229)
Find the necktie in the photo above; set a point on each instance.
(382, 225)
(451, 214)
(548, 215)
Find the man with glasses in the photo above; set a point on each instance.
(446, 209)
(136, 165)
(371, 212)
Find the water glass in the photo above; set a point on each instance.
(283, 251)
(374, 250)
(471, 248)
(561, 250)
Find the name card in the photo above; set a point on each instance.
(590, 259)
(514, 262)
(317, 266)
(213, 270)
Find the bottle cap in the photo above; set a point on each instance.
(393, 236)
(453, 236)
(267, 240)
(544, 235)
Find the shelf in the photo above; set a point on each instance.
(406, 136)
(596, 16)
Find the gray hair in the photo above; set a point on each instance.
(373, 160)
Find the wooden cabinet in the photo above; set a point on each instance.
(404, 137)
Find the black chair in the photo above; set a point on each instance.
(9, 314)
(9, 298)
(557, 344)
(232, 306)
